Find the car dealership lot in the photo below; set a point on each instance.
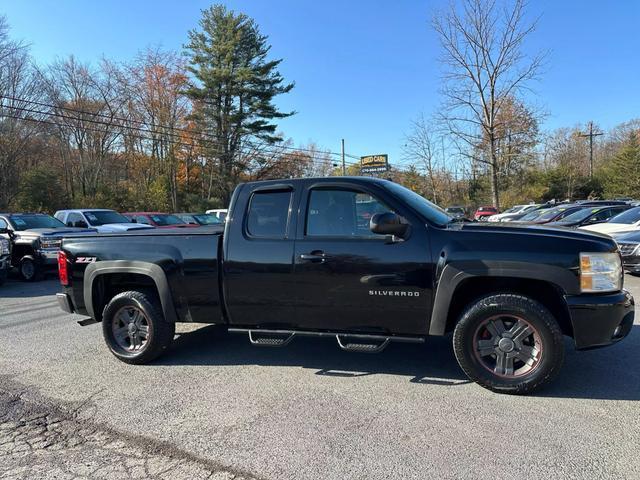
(309, 410)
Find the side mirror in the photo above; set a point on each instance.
(81, 224)
(133, 220)
(4, 231)
(388, 223)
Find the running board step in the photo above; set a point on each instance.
(270, 339)
(350, 346)
(350, 342)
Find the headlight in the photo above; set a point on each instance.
(4, 246)
(600, 272)
(47, 243)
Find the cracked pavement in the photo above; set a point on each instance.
(216, 407)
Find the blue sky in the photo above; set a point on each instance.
(363, 69)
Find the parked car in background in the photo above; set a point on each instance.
(456, 212)
(201, 219)
(627, 221)
(515, 210)
(35, 240)
(102, 219)
(589, 216)
(158, 219)
(482, 213)
(5, 256)
(221, 213)
(629, 245)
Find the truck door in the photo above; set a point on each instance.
(347, 277)
(258, 257)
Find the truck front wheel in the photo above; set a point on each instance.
(509, 343)
(134, 327)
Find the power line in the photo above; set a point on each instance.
(141, 137)
(276, 149)
(141, 122)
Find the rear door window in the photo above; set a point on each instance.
(269, 214)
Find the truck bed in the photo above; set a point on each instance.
(189, 260)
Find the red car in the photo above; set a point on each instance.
(483, 212)
(158, 220)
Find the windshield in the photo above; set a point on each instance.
(104, 217)
(207, 219)
(532, 215)
(164, 220)
(580, 215)
(423, 206)
(454, 210)
(630, 216)
(551, 213)
(26, 222)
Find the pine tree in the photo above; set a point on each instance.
(623, 172)
(233, 86)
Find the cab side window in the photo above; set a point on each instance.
(3, 224)
(268, 214)
(342, 213)
(142, 219)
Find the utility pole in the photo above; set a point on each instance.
(591, 134)
(344, 168)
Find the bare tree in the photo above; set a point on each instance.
(486, 67)
(421, 145)
(19, 87)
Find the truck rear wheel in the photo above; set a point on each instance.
(135, 329)
(509, 344)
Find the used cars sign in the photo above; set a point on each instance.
(374, 163)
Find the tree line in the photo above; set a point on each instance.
(177, 130)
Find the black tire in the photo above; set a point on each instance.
(498, 364)
(29, 269)
(159, 332)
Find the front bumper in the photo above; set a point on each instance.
(48, 257)
(5, 265)
(631, 263)
(600, 320)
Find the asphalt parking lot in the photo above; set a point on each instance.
(215, 407)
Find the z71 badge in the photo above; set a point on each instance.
(86, 259)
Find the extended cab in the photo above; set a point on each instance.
(35, 239)
(293, 258)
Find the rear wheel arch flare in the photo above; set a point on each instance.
(107, 277)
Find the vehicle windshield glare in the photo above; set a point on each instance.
(580, 215)
(27, 222)
(429, 210)
(104, 217)
(628, 217)
(207, 219)
(165, 220)
(551, 213)
(533, 215)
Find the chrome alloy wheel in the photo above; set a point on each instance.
(130, 329)
(507, 346)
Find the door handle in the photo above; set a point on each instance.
(314, 257)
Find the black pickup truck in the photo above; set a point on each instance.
(362, 260)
